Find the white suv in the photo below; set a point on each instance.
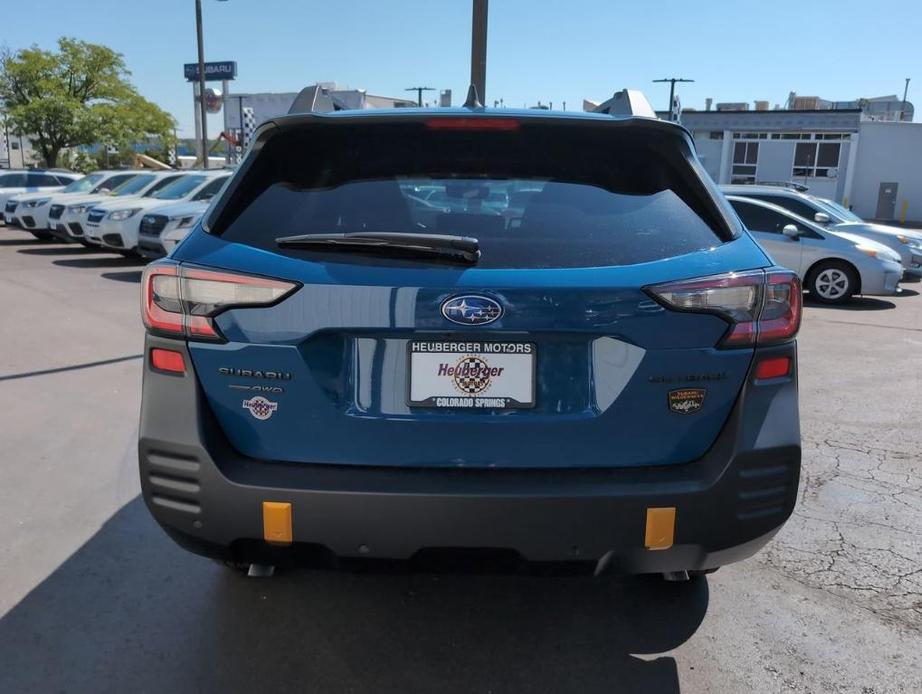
(70, 219)
(115, 224)
(31, 211)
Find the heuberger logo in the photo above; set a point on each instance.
(686, 400)
(471, 374)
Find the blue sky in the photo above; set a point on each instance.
(736, 50)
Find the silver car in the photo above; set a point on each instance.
(907, 243)
(833, 266)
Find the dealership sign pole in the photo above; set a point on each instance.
(201, 82)
(198, 74)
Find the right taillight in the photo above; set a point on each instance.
(182, 301)
(761, 306)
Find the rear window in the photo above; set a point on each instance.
(796, 206)
(538, 197)
(179, 188)
(134, 185)
(43, 180)
(14, 180)
(84, 184)
(163, 183)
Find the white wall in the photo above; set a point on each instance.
(888, 152)
(709, 152)
(776, 160)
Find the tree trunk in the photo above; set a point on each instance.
(50, 148)
(51, 156)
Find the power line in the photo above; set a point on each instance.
(419, 93)
(672, 81)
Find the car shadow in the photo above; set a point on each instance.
(106, 261)
(856, 303)
(126, 276)
(31, 241)
(906, 292)
(59, 249)
(130, 611)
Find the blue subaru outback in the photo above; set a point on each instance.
(544, 335)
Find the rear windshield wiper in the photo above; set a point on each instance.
(446, 248)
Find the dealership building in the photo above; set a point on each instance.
(864, 154)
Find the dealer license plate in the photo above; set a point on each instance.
(471, 375)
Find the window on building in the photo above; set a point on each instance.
(716, 134)
(816, 160)
(745, 158)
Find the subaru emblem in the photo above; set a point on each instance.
(471, 310)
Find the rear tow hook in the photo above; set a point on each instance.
(261, 571)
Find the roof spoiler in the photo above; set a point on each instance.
(628, 102)
(313, 99)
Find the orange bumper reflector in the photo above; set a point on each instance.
(277, 522)
(775, 367)
(167, 360)
(660, 528)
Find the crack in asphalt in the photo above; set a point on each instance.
(849, 492)
(73, 367)
(866, 325)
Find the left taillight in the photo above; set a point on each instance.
(182, 301)
(762, 306)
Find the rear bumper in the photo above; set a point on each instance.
(728, 503)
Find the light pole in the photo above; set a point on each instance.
(203, 113)
(419, 93)
(672, 81)
(479, 48)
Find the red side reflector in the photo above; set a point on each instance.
(775, 367)
(472, 124)
(167, 360)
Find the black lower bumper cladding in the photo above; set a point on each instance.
(728, 504)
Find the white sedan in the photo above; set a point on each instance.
(833, 266)
(833, 216)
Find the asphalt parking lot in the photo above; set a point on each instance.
(95, 598)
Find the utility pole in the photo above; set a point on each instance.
(203, 113)
(905, 94)
(479, 48)
(419, 93)
(672, 81)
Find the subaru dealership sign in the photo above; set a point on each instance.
(222, 70)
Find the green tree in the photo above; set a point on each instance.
(77, 95)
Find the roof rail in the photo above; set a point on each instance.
(799, 187)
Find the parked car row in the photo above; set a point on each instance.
(130, 212)
(836, 253)
(144, 212)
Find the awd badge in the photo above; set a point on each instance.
(260, 407)
(686, 400)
